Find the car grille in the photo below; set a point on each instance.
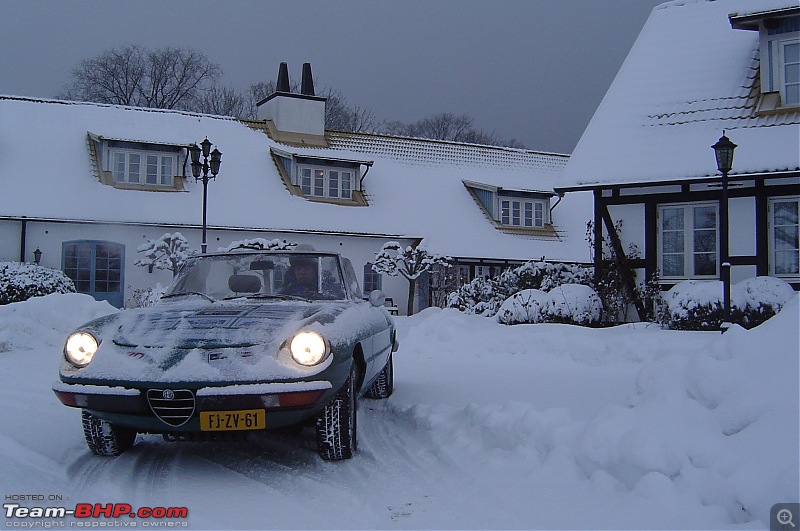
(173, 406)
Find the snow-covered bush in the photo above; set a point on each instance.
(698, 305)
(572, 304)
(485, 296)
(21, 281)
(145, 297)
(522, 307)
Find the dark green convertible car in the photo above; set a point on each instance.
(240, 341)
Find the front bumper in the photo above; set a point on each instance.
(144, 409)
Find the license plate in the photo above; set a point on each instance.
(242, 419)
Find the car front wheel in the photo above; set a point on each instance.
(336, 424)
(383, 386)
(105, 438)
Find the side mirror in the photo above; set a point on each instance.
(377, 298)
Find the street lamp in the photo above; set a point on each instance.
(723, 150)
(210, 163)
(37, 256)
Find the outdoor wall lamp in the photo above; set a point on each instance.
(723, 151)
(200, 170)
(37, 256)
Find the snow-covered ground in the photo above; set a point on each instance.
(530, 426)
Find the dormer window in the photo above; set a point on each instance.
(142, 167)
(517, 212)
(514, 209)
(334, 183)
(323, 179)
(133, 165)
(779, 54)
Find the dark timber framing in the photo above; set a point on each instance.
(760, 187)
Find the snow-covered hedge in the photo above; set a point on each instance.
(697, 304)
(567, 303)
(485, 296)
(21, 281)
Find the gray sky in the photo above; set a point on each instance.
(534, 70)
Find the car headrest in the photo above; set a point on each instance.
(244, 283)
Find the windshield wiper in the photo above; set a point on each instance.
(179, 293)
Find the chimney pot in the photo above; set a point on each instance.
(283, 79)
(307, 84)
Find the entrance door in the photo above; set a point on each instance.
(96, 269)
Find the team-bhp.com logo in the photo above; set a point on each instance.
(96, 510)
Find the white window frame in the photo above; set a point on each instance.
(327, 182)
(772, 228)
(131, 166)
(783, 83)
(513, 212)
(688, 240)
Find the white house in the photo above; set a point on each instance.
(86, 184)
(699, 69)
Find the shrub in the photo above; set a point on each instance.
(485, 296)
(21, 281)
(698, 305)
(522, 307)
(572, 304)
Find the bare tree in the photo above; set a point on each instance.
(167, 78)
(447, 126)
(225, 101)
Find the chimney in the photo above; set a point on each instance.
(302, 113)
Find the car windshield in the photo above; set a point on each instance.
(310, 276)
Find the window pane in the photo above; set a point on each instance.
(346, 185)
(791, 53)
(785, 213)
(792, 73)
(705, 241)
(673, 242)
(118, 170)
(134, 167)
(539, 217)
(333, 184)
(705, 218)
(529, 214)
(505, 212)
(705, 264)
(786, 263)
(793, 94)
(305, 183)
(672, 219)
(152, 169)
(319, 182)
(166, 170)
(515, 213)
(786, 238)
(672, 265)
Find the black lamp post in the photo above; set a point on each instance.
(723, 150)
(210, 164)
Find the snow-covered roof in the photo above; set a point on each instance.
(688, 77)
(414, 187)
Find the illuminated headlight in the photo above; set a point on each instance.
(308, 348)
(80, 348)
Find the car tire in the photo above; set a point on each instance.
(105, 438)
(337, 423)
(383, 386)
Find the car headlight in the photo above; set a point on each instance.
(80, 348)
(308, 348)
